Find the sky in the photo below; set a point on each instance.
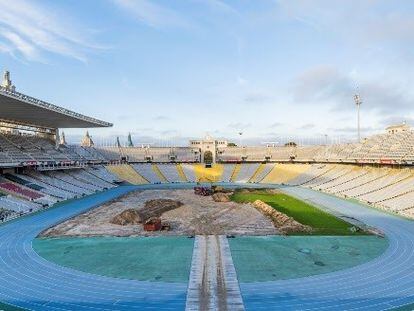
(170, 70)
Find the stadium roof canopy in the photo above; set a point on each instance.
(22, 109)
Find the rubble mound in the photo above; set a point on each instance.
(221, 189)
(221, 197)
(127, 217)
(254, 190)
(156, 207)
(282, 222)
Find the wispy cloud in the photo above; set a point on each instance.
(31, 30)
(220, 6)
(308, 126)
(26, 48)
(358, 21)
(276, 124)
(239, 125)
(152, 14)
(256, 98)
(161, 118)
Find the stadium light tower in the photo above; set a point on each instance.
(358, 103)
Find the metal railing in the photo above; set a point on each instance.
(51, 107)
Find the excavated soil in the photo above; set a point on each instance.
(128, 217)
(185, 212)
(151, 208)
(284, 223)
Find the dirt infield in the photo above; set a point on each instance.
(197, 215)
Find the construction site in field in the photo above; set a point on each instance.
(200, 211)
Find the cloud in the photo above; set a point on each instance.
(353, 130)
(161, 118)
(395, 119)
(327, 85)
(31, 30)
(169, 132)
(256, 98)
(241, 81)
(4, 48)
(124, 117)
(362, 22)
(152, 14)
(276, 124)
(220, 6)
(27, 49)
(308, 126)
(322, 83)
(239, 125)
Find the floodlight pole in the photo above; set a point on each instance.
(358, 103)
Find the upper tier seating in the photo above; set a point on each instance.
(25, 148)
(185, 154)
(88, 154)
(110, 153)
(382, 148)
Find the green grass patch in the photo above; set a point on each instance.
(322, 222)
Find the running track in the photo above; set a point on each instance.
(29, 281)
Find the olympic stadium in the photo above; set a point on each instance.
(211, 226)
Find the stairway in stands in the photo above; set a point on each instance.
(181, 173)
(160, 175)
(258, 171)
(235, 173)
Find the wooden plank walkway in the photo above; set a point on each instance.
(213, 283)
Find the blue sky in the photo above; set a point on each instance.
(169, 70)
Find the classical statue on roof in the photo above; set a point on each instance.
(7, 83)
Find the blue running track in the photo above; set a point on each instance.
(381, 284)
(31, 282)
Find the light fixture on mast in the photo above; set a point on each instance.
(358, 103)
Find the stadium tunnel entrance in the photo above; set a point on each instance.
(208, 158)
